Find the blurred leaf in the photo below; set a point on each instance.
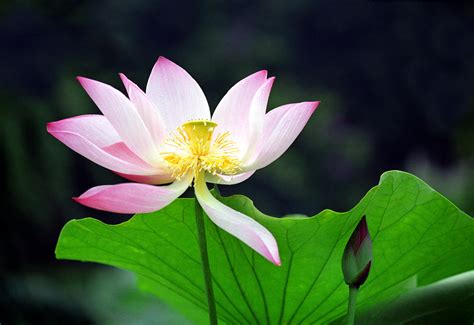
(419, 237)
(444, 302)
(66, 295)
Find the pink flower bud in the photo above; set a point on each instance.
(357, 257)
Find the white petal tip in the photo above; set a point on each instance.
(87, 83)
(272, 254)
(276, 261)
(162, 59)
(50, 127)
(263, 72)
(271, 80)
(82, 79)
(310, 105)
(316, 104)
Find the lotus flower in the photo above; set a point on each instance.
(167, 136)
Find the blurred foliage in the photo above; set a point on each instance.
(447, 301)
(104, 296)
(395, 81)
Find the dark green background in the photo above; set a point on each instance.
(395, 80)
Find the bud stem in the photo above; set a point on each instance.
(351, 308)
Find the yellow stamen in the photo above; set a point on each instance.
(191, 148)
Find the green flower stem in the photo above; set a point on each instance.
(351, 308)
(205, 263)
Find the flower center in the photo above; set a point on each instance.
(191, 148)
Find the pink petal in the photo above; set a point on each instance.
(237, 224)
(133, 197)
(159, 176)
(121, 151)
(176, 94)
(233, 112)
(282, 126)
(123, 116)
(147, 110)
(87, 135)
(257, 118)
(228, 180)
(96, 128)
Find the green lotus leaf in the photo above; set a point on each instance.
(419, 237)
